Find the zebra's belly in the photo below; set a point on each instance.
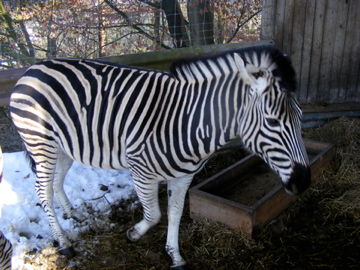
(99, 157)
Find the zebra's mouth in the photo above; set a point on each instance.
(299, 180)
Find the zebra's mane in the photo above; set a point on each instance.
(264, 57)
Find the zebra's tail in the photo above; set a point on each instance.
(31, 161)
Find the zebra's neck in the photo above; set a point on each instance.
(212, 101)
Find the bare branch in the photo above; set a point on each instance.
(128, 21)
(241, 25)
(111, 42)
(27, 38)
(151, 3)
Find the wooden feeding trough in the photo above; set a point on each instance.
(248, 194)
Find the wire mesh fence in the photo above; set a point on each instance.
(38, 29)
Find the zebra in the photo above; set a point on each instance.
(5, 253)
(5, 245)
(162, 126)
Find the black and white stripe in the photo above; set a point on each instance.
(5, 253)
(5, 245)
(162, 126)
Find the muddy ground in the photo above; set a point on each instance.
(321, 230)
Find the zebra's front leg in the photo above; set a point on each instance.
(148, 196)
(176, 196)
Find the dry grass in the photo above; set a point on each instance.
(321, 230)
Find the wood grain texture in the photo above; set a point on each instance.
(322, 38)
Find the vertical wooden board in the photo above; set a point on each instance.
(357, 76)
(297, 41)
(323, 39)
(279, 23)
(347, 54)
(316, 50)
(306, 56)
(356, 54)
(337, 88)
(268, 19)
(288, 27)
(326, 62)
(353, 72)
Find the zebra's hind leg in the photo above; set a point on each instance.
(176, 196)
(148, 196)
(63, 164)
(44, 162)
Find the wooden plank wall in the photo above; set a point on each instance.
(322, 38)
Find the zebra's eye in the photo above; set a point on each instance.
(258, 74)
(272, 122)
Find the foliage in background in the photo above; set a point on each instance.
(39, 29)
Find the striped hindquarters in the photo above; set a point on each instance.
(80, 106)
(5, 245)
(5, 253)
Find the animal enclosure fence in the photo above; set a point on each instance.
(95, 28)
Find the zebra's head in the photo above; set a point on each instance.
(270, 123)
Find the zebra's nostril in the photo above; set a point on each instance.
(299, 180)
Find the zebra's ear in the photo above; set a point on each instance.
(251, 75)
(243, 72)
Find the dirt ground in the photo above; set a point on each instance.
(321, 230)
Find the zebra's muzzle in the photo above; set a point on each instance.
(299, 181)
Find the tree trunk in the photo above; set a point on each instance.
(51, 39)
(51, 49)
(101, 32)
(201, 20)
(176, 22)
(7, 24)
(157, 29)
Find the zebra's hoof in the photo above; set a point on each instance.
(179, 267)
(132, 235)
(68, 252)
(78, 217)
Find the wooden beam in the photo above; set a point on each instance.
(317, 115)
